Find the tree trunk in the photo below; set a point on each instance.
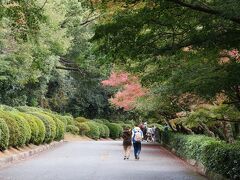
(187, 130)
(219, 133)
(207, 130)
(237, 130)
(228, 132)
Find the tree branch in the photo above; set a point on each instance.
(43, 5)
(89, 20)
(205, 9)
(227, 120)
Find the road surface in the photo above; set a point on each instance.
(101, 160)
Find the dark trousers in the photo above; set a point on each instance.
(137, 148)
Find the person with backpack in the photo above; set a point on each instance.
(127, 142)
(137, 136)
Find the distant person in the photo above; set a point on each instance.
(127, 142)
(137, 136)
(144, 130)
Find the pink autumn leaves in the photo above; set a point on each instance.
(234, 53)
(130, 89)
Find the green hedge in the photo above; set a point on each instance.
(101, 130)
(33, 125)
(72, 129)
(81, 119)
(4, 138)
(60, 126)
(49, 124)
(42, 130)
(69, 119)
(62, 118)
(107, 131)
(94, 132)
(129, 126)
(83, 128)
(24, 126)
(115, 130)
(14, 129)
(215, 155)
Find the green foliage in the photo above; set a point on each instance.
(70, 120)
(98, 121)
(4, 135)
(159, 126)
(60, 127)
(62, 118)
(127, 126)
(84, 128)
(103, 129)
(42, 130)
(25, 129)
(72, 129)
(215, 155)
(33, 126)
(94, 131)
(81, 119)
(14, 129)
(115, 130)
(106, 131)
(49, 124)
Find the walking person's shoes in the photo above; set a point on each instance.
(124, 158)
(136, 156)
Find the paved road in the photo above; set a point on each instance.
(100, 160)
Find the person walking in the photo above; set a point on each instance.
(137, 136)
(127, 142)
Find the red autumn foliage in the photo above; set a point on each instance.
(234, 53)
(130, 91)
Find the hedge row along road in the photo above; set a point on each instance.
(100, 160)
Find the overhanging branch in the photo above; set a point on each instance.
(205, 9)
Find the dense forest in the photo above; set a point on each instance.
(47, 58)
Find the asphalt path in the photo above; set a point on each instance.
(100, 160)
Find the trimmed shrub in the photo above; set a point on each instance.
(7, 108)
(69, 119)
(83, 128)
(101, 130)
(217, 156)
(33, 125)
(107, 131)
(14, 129)
(98, 121)
(4, 138)
(81, 119)
(115, 130)
(94, 132)
(60, 129)
(49, 124)
(24, 128)
(72, 129)
(63, 119)
(129, 126)
(42, 130)
(29, 109)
